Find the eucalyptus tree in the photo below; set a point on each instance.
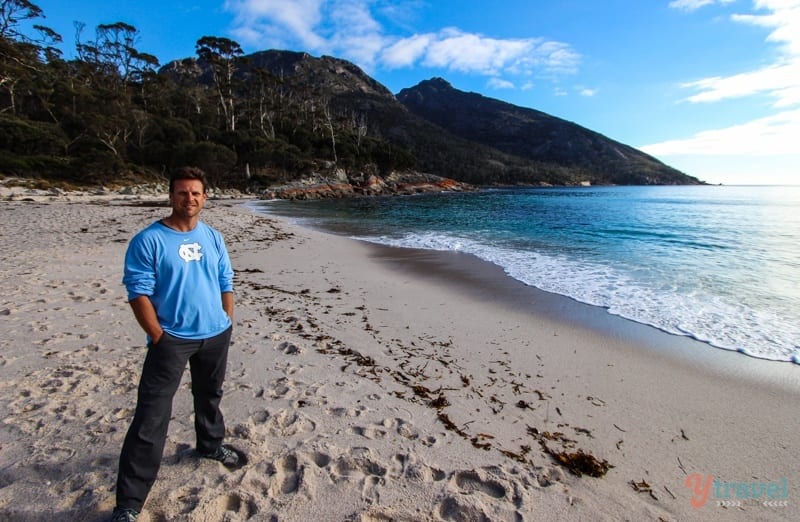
(117, 62)
(112, 72)
(222, 55)
(13, 13)
(22, 56)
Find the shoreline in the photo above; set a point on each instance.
(365, 386)
(691, 280)
(482, 279)
(674, 374)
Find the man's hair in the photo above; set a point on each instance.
(188, 173)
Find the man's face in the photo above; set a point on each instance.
(187, 198)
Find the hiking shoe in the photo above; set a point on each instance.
(230, 457)
(124, 515)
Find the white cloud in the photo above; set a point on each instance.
(362, 49)
(456, 50)
(768, 137)
(499, 83)
(557, 57)
(349, 29)
(694, 5)
(406, 52)
(760, 151)
(467, 52)
(775, 134)
(783, 17)
(355, 15)
(740, 170)
(587, 92)
(781, 80)
(300, 18)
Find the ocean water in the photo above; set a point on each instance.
(719, 264)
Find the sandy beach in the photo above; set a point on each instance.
(374, 384)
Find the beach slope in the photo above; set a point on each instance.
(373, 384)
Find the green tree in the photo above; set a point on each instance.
(114, 55)
(112, 66)
(21, 55)
(222, 54)
(13, 13)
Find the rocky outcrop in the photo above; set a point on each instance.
(415, 183)
(395, 183)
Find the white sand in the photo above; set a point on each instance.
(339, 356)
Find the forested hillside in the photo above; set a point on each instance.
(113, 114)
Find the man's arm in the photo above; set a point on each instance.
(146, 316)
(227, 304)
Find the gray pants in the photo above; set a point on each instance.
(163, 368)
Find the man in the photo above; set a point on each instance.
(180, 286)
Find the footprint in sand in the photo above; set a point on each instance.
(288, 477)
(288, 348)
(260, 417)
(80, 298)
(285, 388)
(345, 412)
(230, 506)
(370, 490)
(287, 423)
(382, 430)
(415, 472)
(358, 466)
(187, 497)
(259, 426)
(472, 481)
(452, 508)
(52, 455)
(370, 432)
(402, 428)
(387, 515)
(320, 459)
(548, 476)
(280, 390)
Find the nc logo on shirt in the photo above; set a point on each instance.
(190, 252)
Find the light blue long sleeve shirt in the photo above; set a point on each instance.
(184, 274)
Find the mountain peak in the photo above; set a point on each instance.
(436, 82)
(534, 135)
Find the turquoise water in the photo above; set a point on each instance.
(719, 264)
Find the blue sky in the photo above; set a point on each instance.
(711, 87)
